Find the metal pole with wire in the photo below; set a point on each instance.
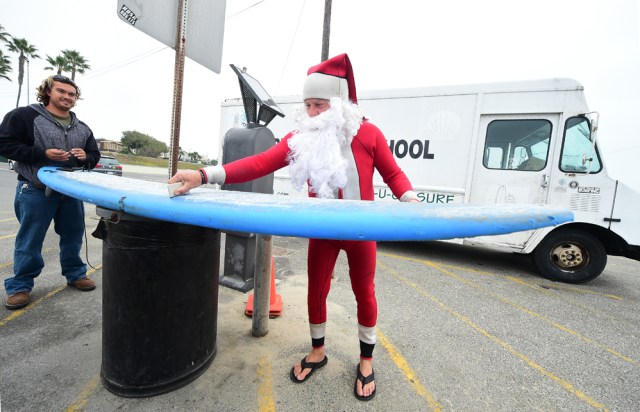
(181, 40)
(326, 30)
(262, 286)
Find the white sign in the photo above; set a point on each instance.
(159, 19)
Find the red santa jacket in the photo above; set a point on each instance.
(368, 151)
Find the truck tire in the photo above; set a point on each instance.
(571, 256)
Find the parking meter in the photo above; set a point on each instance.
(260, 109)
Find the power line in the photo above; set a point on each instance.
(152, 52)
(108, 69)
(125, 63)
(243, 10)
(623, 150)
(295, 33)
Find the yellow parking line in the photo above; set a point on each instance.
(19, 312)
(562, 382)
(409, 373)
(526, 310)
(550, 286)
(586, 308)
(8, 220)
(10, 263)
(537, 315)
(81, 400)
(265, 391)
(7, 236)
(543, 288)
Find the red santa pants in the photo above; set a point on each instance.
(361, 256)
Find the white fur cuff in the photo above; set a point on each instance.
(215, 174)
(409, 195)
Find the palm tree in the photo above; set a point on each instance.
(4, 36)
(58, 63)
(25, 51)
(76, 63)
(194, 156)
(5, 65)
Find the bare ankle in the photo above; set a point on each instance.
(317, 353)
(366, 365)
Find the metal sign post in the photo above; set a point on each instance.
(178, 80)
(205, 32)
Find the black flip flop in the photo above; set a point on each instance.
(364, 380)
(305, 365)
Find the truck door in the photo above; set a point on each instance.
(513, 164)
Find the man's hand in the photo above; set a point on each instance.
(189, 179)
(57, 155)
(79, 154)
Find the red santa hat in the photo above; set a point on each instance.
(331, 78)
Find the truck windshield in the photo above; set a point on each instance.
(521, 144)
(579, 154)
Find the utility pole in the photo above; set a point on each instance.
(326, 31)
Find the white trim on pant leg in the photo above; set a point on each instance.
(317, 330)
(367, 334)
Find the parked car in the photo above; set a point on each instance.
(109, 165)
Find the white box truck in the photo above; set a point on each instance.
(514, 142)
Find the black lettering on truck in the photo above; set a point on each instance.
(416, 149)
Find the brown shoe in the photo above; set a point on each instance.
(83, 284)
(17, 301)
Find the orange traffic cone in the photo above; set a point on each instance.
(275, 300)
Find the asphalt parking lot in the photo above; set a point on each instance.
(459, 329)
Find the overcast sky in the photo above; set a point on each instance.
(392, 44)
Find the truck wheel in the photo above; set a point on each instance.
(571, 256)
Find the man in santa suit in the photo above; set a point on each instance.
(334, 150)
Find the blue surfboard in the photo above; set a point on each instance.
(300, 217)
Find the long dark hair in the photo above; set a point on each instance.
(47, 85)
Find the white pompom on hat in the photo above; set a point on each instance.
(331, 78)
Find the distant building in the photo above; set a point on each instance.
(105, 145)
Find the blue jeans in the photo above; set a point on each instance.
(35, 211)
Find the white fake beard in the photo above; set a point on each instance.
(315, 151)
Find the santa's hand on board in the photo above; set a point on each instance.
(184, 180)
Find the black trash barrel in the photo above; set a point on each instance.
(160, 303)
